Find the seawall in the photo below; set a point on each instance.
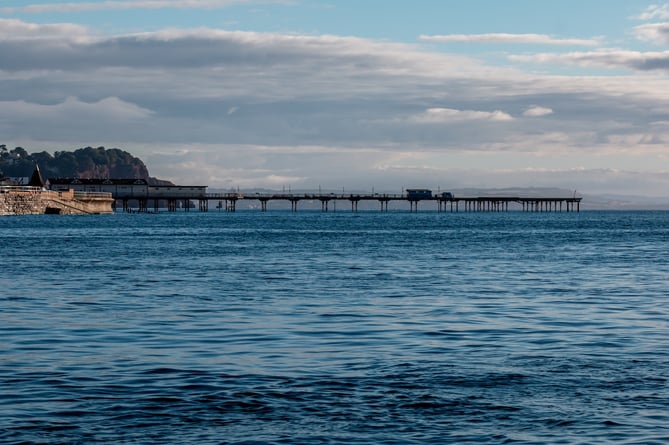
(31, 201)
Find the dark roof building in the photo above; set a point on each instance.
(128, 188)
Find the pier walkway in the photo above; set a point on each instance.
(228, 201)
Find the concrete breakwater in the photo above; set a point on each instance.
(36, 201)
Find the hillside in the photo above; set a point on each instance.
(86, 162)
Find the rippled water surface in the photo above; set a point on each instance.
(335, 328)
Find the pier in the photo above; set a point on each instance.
(228, 202)
(127, 191)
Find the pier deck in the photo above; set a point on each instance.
(228, 201)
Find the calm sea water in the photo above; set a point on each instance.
(335, 328)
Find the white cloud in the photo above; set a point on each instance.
(654, 12)
(449, 115)
(536, 111)
(130, 4)
(108, 108)
(540, 39)
(12, 29)
(653, 32)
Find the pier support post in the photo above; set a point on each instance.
(231, 205)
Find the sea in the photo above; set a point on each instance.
(330, 328)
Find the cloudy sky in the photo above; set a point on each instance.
(348, 93)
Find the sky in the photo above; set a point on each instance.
(348, 94)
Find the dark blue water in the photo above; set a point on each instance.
(335, 328)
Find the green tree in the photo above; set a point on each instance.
(88, 161)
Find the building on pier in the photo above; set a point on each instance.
(131, 188)
(417, 194)
(138, 191)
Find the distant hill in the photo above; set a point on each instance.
(86, 162)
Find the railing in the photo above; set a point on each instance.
(306, 195)
(89, 195)
(19, 189)
(67, 194)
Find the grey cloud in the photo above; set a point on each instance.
(72, 116)
(506, 38)
(208, 48)
(132, 52)
(633, 60)
(352, 99)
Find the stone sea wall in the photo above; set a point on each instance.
(21, 204)
(63, 203)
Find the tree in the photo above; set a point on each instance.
(20, 152)
(85, 162)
